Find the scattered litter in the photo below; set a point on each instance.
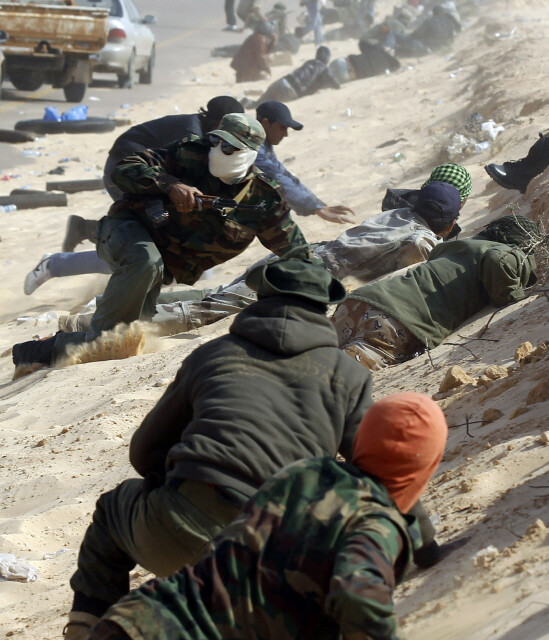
(126, 105)
(12, 568)
(58, 171)
(334, 127)
(6, 208)
(42, 318)
(435, 519)
(492, 128)
(485, 556)
(480, 147)
(439, 101)
(48, 556)
(94, 98)
(399, 157)
(349, 112)
(31, 152)
(511, 34)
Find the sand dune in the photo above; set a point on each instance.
(65, 431)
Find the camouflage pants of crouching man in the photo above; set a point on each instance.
(372, 337)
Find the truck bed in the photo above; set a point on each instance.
(68, 28)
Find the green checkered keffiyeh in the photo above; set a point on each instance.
(453, 174)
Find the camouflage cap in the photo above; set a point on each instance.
(241, 130)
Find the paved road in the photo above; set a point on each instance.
(186, 31)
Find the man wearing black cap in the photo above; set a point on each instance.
(275, 390)
(393, 320)
(276, 119)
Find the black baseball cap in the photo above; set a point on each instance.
(438, 200)
(277, 112)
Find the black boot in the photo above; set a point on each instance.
(516, 174)
(34, 352)
(79, 229)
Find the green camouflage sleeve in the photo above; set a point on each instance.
(144, 173)
(283, 236)
(154, 171)
(360, 597)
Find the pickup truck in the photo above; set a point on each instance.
(51, 43)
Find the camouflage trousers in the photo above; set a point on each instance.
(185, 310)
(161, 529)
(372, 337)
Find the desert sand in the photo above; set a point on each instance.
(65, 431)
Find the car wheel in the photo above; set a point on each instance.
(74, 92)
(125, 80)
(30, 81)
(146, 74)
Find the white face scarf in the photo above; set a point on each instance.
(230, 169)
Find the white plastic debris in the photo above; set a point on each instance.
(492, 128)
(481, 147)
(12, 568)
(485, 556)
(435, 519)
(41, 319)
(48, 556)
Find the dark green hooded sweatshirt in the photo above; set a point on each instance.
(242, 406)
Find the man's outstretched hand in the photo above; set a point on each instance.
(339, 214)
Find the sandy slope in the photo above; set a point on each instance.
(65, 432)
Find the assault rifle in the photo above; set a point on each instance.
(224, 204)
(158, 216)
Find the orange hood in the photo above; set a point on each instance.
(400, 441)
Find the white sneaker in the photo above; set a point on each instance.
(38, 275)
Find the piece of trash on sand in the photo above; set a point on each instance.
(42, 318)
(48, 556)
(435, 519)
(12, 568)
(481, 147)
(492, 128)
(485, 556)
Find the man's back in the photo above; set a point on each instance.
(156, 134)
(384, 243)
(300, 561)
(457, 281)
(311, 76)
(275, 390)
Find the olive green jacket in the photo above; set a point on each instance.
(458, 280)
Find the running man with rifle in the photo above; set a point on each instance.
(165, 229)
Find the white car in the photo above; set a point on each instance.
(3, 38)
(131, 46)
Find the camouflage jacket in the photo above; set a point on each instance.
(315, 554)
(192, 242)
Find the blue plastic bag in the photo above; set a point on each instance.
(51, 114)
(80, 112)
